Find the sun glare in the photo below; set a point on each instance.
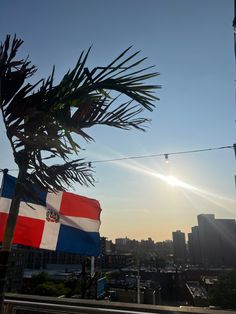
(173, 181)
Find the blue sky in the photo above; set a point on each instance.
(191, 44)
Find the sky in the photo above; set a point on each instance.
(191, 44)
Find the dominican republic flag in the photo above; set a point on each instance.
(56, 221)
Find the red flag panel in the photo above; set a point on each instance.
(79, 206)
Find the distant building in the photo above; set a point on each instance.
(195, 254)
(207, 236)
(179, 247)
(103, 245)
(213, 242)
(226, 231)
(116, 260)
(39, 258)
(121, 244)
(15, 269)
(164, 249)
(197, 294)
(110, 247)
(147, 244)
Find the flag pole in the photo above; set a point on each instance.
(92, 266)
(83, 278)
(4, 171)
(3, 259)
(138, 282)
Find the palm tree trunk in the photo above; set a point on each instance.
(9, 233)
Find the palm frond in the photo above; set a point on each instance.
(123, 116)
(76, 85)
(12, 72)
(40, 123)
(59, 177)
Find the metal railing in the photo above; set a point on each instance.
(27, 304)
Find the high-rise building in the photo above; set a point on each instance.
(195, 254)
(121, 244)
(226, 230)
(179, 247)
(213, 241)
(207, 236)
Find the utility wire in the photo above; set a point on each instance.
(2, 170)
(154, 155)
(163, 154)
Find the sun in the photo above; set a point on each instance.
(173, 181)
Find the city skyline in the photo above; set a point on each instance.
(176, 231)
(191, 44)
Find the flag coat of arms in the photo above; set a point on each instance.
(56, 221)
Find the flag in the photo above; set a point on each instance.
(60, 221)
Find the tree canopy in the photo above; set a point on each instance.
(224, 291)
(41, 119)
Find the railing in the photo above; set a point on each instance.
(25, 304)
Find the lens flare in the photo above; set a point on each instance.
(211, 197)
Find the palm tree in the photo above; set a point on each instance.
(41, 119)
